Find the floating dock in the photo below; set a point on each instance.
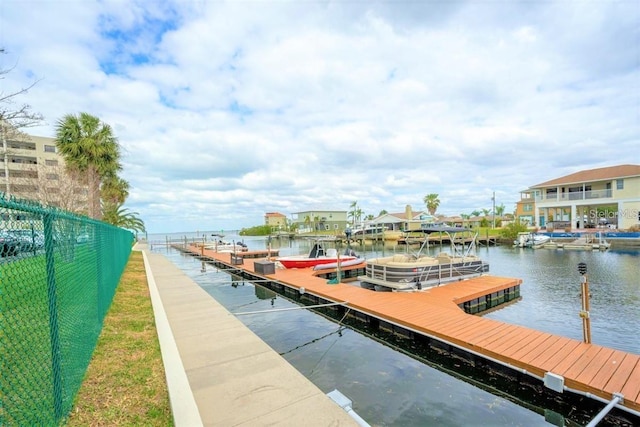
(588, 242)
(444, 316)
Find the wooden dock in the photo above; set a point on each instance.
(563, 364)
(199, 248)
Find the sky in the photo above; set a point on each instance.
(227, 110)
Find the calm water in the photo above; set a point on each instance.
(391, 389)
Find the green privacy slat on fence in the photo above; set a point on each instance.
(58, 276)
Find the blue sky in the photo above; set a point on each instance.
(228, 110)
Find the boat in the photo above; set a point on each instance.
(367, 231)
(316, 256)
(347, 263)
(222, 246)
(417, 271)
(527, 239)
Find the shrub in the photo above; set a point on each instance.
(511, 231)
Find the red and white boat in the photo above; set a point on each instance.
(317, 256)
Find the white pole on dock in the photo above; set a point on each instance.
(584, 313)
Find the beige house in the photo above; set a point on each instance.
(404, 221)
(276, 221)
(603, 197)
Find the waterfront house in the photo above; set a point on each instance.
(403, 221)
(276, 221)
(604, 197)
(320, 220)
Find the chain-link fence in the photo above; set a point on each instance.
(58, 276)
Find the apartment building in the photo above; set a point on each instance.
(32, 169)
(603, 197)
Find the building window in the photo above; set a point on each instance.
(50, 162)
(52, 176)
(619, 184)
(49, 148)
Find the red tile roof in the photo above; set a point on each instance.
(600, 174)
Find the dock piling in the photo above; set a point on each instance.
(584, 313)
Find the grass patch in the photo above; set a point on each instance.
(125, 384)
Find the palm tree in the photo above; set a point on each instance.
(432, 202)
(116, 214)
(114, 189)
(89, 147)
(357, 215)
(465, 217)
(353, 208)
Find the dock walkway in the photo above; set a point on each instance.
(218, 371)
(587, 369)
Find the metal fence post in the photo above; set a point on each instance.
(54, 333)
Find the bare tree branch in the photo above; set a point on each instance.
(14, 115)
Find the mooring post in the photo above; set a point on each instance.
(584, 313)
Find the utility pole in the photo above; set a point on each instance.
(493, 199)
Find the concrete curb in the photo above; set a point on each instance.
(183, 404)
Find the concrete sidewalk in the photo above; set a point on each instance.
(219, 373)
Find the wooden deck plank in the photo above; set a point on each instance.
(608, 370)
(573, 369)
(617, 382)
(565, 363)
(553, 343)
(482, 328)
(513, 341)
(443, 322)
(494, 335)
(538, 340)
(458, 328)
(631, 389)
(592, 368)
(550, 358)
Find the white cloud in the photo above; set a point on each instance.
(227, 110)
